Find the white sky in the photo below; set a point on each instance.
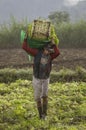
(31, 9)
(72, 2)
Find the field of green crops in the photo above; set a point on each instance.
(66, 106)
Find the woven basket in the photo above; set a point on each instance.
(39, 34)
(40, 30)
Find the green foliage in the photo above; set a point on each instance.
(66, 107)
(69, 34)
(8, 75)
(59, 17)
(10, 34)
(72, 35)
(68, 75)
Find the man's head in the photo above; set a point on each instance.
(48, 49)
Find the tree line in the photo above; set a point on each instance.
(71, 35)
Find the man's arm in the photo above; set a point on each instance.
(56, 52)
(31, 51)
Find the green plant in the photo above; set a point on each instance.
(66, 107)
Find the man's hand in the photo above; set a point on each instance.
(52, 43)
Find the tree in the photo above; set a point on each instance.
(59, 17)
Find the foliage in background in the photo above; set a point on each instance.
(59, 17)
(64, 75)
(10, 33)
(66, 107)
(71, 35)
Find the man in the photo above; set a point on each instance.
(41, 72)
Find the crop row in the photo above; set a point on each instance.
(66, 107)
(63, 75)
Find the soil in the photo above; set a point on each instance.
(18, 58)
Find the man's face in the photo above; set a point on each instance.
(46, 52)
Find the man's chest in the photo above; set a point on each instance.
(45, 60)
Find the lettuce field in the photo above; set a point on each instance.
(67, 88)
(66, 106)
(67, 97)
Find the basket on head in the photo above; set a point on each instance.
(40, 30)
(40, 33)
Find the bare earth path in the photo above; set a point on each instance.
(17, 58)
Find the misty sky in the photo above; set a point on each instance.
(71, 2)
(31, 9)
